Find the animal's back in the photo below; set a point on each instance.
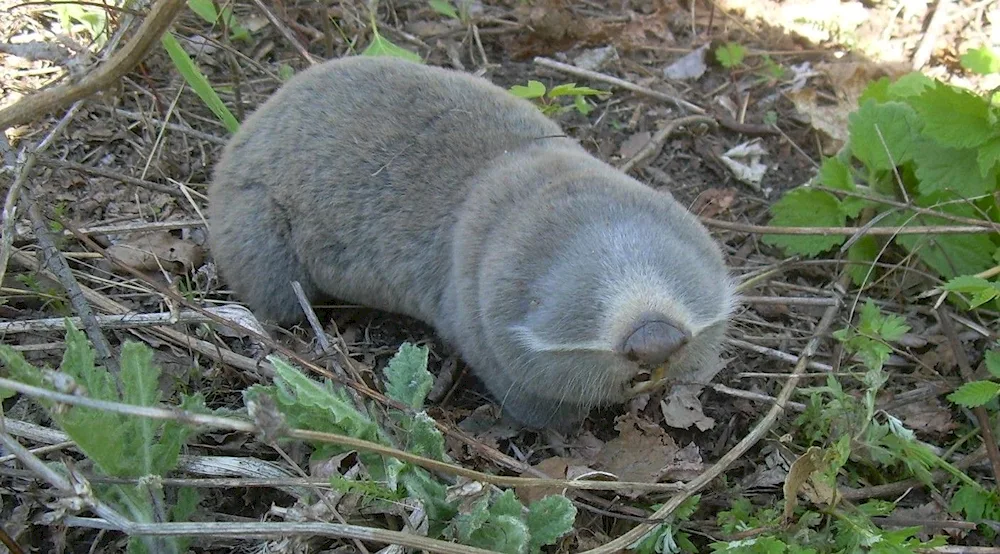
(350, 177)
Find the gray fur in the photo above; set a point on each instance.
(435, 194)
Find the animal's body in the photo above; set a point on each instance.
(435, 194)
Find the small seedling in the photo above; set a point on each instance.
(546, 99)
(730, 55)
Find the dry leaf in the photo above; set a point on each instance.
(555, 467)
(632, 145)
(688, 67)
(639, 453)
(151, 251)
(798, 475)
(927, 416)
(682, 409)
(713, 202)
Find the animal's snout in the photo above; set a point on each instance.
(653, 342)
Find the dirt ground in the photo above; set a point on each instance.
(129, 167)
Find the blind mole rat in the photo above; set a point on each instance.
(433, 193)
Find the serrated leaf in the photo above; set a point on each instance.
(507, 504)
(444, 7)
(469, 521)
(955, 117)
(730, 55)
(548, 520)
(911, 84)
(876, 91)
(893, 328)
(982, 291)
(975, 393)
(948, 255)
(424, 438)
(140, 380)
(407, 375)
(503, 533)
(418, 483)
(882, 135)
(982, 60)
(835, 174)
(534, 89)
(988, 154)
(863, 253)
(310, 405)
(381, 46)
(941, 168)
(186, 505)
(993, 362)
(805, 207)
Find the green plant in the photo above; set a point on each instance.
(917, 141)
(495, 520)
(119, 445)
(206, 9)
(448, 9)
(546, 98)
(89, 18)
(381, 46)
(667, 538)
(198, 82)
(730, 55)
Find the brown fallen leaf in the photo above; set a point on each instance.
(151, 251)
(633, 144)
(928, 416)
(798, 475)
(555, 467)
(714, 201)
(640, 452)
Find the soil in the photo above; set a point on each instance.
(114, 165)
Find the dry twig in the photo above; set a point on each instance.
(30, 108)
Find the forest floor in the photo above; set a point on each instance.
(129, 168)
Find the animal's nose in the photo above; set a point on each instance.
(654, 342)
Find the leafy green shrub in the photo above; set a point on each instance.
(546, 98)
(119, 445)
(913, 140)
(496, 521)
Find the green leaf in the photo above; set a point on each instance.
(507, 504)
(407, 375)
(503, 533)
(955, 117)
(309, 404)
(882, 135)
(469, 521)
(186, 505)
(444, 7)
(805, 207)
(835, 174)
(205, 9)
(424, 438)
(198, 82)
(549, 519)
(975, 393)
(993, 362)
(581, 105)
(982, 60)
(419, 483)
(948, 255)
(911, 84)
(381, 46)
(863, 251)
(876, 91)
(285, 72)
(976, 503)
(941, 168)
(730, 55)
(534, 89)
(140, 379)
(570, 89)
(982, 291)
(988, 154)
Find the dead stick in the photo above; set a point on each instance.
(161, 15)
(878, 231)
